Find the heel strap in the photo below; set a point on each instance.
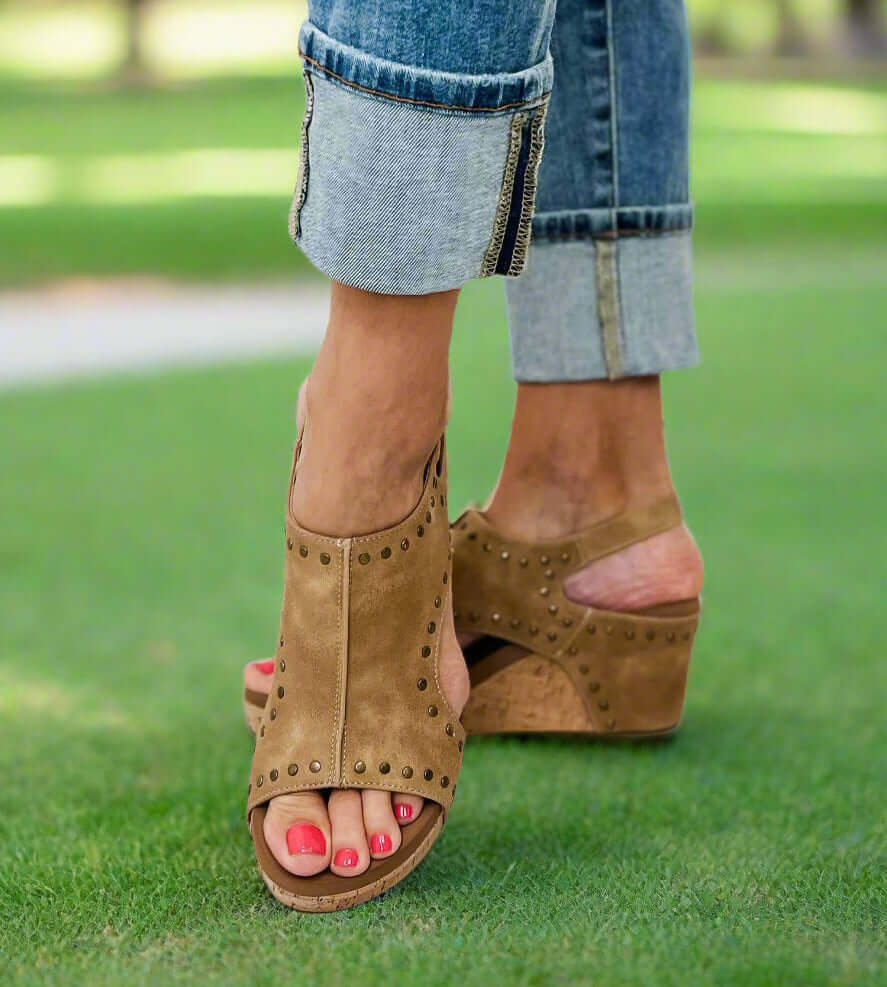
(628, 528)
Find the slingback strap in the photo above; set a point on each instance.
(356, 700)
(513, 590)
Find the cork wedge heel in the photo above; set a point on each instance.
(355, 696)
(545, 664)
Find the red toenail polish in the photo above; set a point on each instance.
(265, 667)
(305, 839)
(380, 843)
(403, 811)
(346, 858)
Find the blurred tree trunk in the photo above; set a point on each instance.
(865, 27)
(134, 64)
(792, 39)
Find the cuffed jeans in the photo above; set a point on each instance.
(422, 167)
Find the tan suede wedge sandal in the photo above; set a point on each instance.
(545, 664)
(355, 697)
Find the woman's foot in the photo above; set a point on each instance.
(378, 397)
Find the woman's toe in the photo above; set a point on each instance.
(406, 808)
(297, 831)
(382, 829)
(350, 852)
(257, 676)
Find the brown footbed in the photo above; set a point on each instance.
(327, 892)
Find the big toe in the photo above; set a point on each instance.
(297, 831)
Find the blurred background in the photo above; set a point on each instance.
(155, 323)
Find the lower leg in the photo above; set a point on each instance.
(375, 406)
(580, 453)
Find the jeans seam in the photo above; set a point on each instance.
(528, 199)
(301, 194)
(521, 104)
(607, 252)
(503, 207)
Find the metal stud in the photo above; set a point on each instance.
(281, 642)
(386, 552)
(437, 601)
(262, 731)
(534, 630)
(567, 621)
(544, 559)
(293, 769)
(280, 692)
(544, 591)
(604, 704)
(428, 517)
(565, 556)
(609, 628)
(426, 651)
(260, 781)
(420, 530)
(432, 500)
(274, 713)
(314, 767)
(324, 558)
(629, 634)
(488, 547)
(363, 558)
(523, 563)
(422, 685)
(472, 536)
(573, 650)
(428, 774)
(446, 578)
(592, 629)
(505, 556)
(359, 767)
(515, 623)
(289, 544)
(583, 669)
(432, 627)
(450, 730)
(407, 772)
(283, 664)
(552, 608)
(444, 782)
(303, 551)
(274, 774)
(405, 544)
(384, 768)
(670, 637)
(432, 710)
(549, 573)
(495, 617)
(594, 687)
(551, 636)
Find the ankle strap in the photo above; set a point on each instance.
(628, 528)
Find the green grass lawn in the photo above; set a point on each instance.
(140, 567)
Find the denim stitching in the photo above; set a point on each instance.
(301, 193)
(503, 208)
(522, 104)
(537, 145)
(609, 314)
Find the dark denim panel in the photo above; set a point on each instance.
(652, 62)
(428, 88)
(470, 38)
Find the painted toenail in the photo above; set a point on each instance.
(403, 811)
(305, 839)
(380, 843)
(346, 858)
(265, 667)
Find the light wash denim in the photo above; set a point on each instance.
(422, 163)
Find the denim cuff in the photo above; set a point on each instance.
(603, 307)
(411, 180)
